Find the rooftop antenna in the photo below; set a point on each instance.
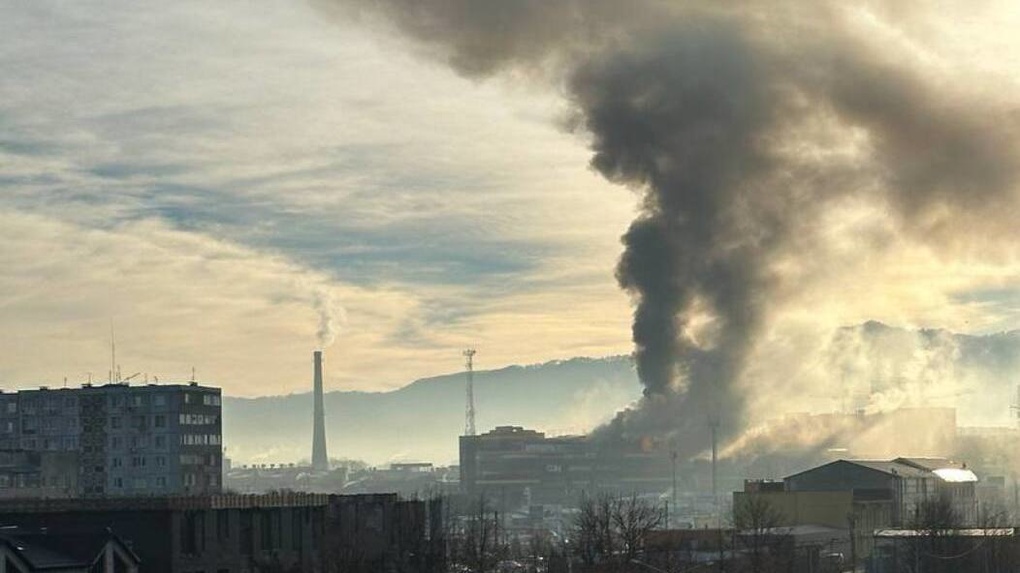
(469, 414)
(113, 353)
(192, 374)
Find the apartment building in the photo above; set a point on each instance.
(128, 440)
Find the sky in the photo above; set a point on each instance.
(212, 179)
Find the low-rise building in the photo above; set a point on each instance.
(28, 551)
(246, 533)
(861, 496)
(907, 482)
(959, 550)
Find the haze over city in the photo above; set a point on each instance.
(759, 248)
(212, 178)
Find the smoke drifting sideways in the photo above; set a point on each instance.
(740, 126)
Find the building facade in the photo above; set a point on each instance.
(514, 465)
(153, 439)
(907, 483)
(862, 496)
(250, 533)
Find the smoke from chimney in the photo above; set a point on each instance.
(740, 124)
(330, 317)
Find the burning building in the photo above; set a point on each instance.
(752, 132)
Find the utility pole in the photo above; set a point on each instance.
(469, 413)
(673, 455)
(713, 426)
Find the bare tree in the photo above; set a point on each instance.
(757, 522)
(480, 547)
(593, 529)
(936, 545)
(632, 519)
(610, 530)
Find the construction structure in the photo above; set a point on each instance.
(111, 440)
(320, 459)
(469, 407)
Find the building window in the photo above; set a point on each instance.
(160, 441)
(161, 461)
(118, 482)
(159, 400)
(138, 400)
(12, 407)
(115, 422)
(161, 482)
(159, 421)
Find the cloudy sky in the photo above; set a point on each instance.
(213, 177)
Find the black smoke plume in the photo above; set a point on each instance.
(739, 126)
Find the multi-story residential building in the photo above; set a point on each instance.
(130, 440)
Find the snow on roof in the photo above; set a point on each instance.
(955, 475)
(992, 532)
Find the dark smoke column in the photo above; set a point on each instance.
(742, 125)
(320, 460)
(677, 119)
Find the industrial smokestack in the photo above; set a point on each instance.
(320, 460)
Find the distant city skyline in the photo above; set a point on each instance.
(213, 178)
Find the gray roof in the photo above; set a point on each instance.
(892, 467)
(931, 463)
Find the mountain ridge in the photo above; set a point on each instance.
(421, 421)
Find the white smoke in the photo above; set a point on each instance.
(331, 317)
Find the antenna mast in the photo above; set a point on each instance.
(713, 428)
(469, 414)
(113, 354)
